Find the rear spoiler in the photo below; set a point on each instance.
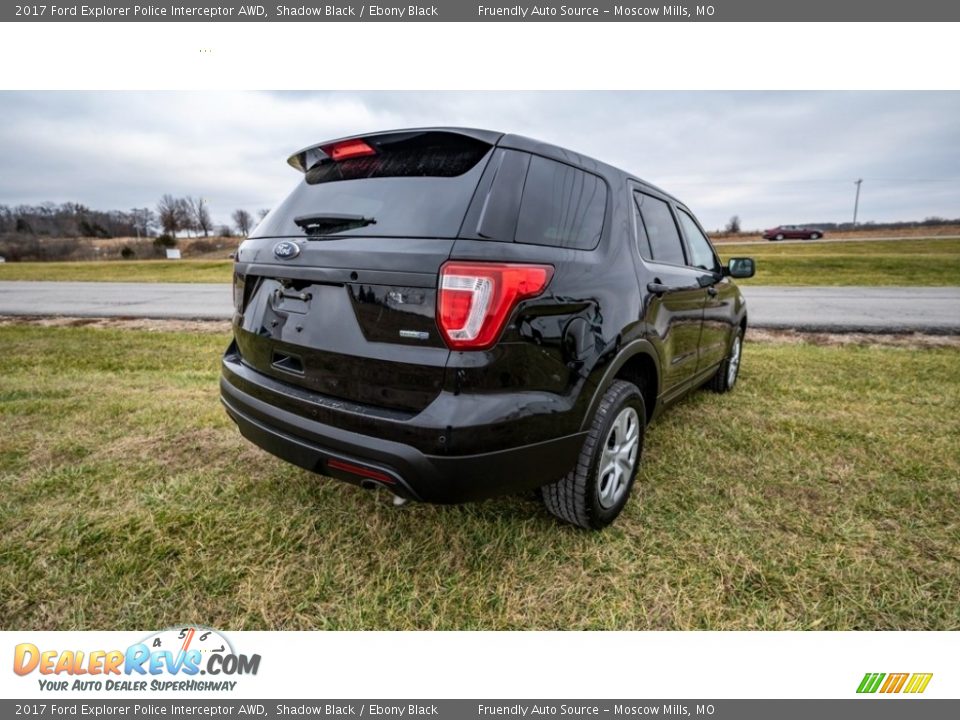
(305, 159)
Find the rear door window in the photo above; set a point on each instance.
(562, 206)
(660, 230)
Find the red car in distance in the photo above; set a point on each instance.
(792, 232)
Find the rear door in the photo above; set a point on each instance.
(674, 315)
(337, 286)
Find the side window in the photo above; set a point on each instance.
(561, 206)
(661, 231)
(643, 242)
(498, 214)
(702, 255)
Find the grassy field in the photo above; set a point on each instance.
(200, 271)
(822, 493)
(894, 262)
(861, 232)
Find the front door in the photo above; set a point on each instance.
(673, 311)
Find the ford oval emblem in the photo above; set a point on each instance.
(286, 250)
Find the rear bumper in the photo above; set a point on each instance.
(365, 459)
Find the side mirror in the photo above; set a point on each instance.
(740, 268)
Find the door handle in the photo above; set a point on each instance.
(657, 288)
(712, 291)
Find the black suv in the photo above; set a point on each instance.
(454, 314)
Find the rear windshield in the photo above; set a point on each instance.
(413, 185)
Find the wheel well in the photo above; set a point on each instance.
(641, 370)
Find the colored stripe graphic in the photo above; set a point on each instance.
(918, 683)
(870, 683)
(894, 683)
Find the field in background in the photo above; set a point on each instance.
(822, 493)
(928, 262)
(200, 271)
(40, 248)
(861, 232)
(896, 262)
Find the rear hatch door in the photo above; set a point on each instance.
(337, 286)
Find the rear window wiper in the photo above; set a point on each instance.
(330, 223)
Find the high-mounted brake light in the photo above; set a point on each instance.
(476, 299)
(348, 149)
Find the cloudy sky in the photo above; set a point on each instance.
(769, 157)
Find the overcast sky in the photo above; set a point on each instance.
(769, 157)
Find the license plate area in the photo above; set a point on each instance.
(288, 299)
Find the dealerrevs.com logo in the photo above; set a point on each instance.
(178, 659)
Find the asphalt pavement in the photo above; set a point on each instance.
(205, 301)
(827, 309)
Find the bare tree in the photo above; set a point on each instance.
(200, 215)
(243, 220)
(173, 215)
(263, 212)
(188, 220)
(143, 220)
(734, 225)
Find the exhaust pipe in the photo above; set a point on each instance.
(368, 484)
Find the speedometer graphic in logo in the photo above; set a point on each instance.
(184, 639)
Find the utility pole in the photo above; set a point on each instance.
(856, 201)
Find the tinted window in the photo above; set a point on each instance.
(429, 154)
(415, 185)
(661, 231)
(643, 242)
(561, 206)
(701, 253)
(498, 212)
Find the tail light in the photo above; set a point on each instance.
(476, 299)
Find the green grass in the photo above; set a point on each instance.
(822, 493)
(200, 271)
(895, 262)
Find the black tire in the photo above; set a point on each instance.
(576, 498)
(724, 380)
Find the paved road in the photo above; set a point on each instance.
(109, 299)
(840, 309)
(855, 309)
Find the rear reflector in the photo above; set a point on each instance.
(361, 471)
(348, 149)
(476, 299)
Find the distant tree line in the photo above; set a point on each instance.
(172, 216)
(73, 220)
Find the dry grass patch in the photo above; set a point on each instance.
(822, 493)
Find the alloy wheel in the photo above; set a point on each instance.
(618, 458)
